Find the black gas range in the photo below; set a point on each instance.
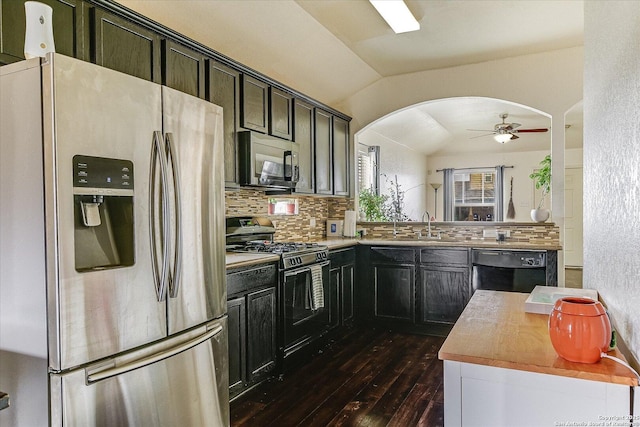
(303, 298)
(255, 235)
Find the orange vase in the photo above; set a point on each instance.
(579, 329)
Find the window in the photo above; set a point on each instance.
(473, 194)
(368, 171)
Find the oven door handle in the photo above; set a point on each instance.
(304, 268)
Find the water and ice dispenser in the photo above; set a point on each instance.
(103, 213)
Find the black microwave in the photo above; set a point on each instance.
(266, 161)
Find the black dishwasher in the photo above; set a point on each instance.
(512, 270)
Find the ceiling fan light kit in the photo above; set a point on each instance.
(502, 137)
(505, 132)
(397, 15)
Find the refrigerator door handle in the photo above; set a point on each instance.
(100, 373)
(174, 279)
(157, 155)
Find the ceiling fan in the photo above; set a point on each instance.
(503, 132)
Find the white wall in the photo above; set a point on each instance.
(523, 188)
(410, 167)
(550, 82)
(612, 161)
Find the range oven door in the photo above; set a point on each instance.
(302, 323)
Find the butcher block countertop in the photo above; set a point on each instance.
(494, 330)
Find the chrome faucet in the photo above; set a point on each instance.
(428, 222)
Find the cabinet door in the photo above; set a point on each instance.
(280, 114)
(323, 152)
(346, 292)
(340, 157)
(124, 46)
(303, 136)
(253, 109)
(224, 90)
(334, 299)
(67, 28)
(236, 309)
(261, 332)
(394, 293)
(444, 292)
(183, 69)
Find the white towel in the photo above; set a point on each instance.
(317, 289)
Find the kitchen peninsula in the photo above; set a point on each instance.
(501, 369)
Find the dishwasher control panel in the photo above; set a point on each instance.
(509, 259)
(528, 261)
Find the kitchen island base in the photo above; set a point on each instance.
(477, 395)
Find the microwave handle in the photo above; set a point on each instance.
(287, 153)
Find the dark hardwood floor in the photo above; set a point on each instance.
(364, 378)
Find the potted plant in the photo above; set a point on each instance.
(372, 205)
(542, 180)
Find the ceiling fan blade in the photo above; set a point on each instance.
(480, 136)
(531, 130)
(514, 125)
(513, 136)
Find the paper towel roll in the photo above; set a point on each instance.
(349, 227)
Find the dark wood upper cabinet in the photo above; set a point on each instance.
(123, 46)
(224, 90)
(253, 108)
(67, 28)
(280, 114)
(183, 69)
(323, 152)
(303, 135)
(340, 157)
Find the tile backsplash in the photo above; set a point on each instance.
(533, 233)
(247, 202)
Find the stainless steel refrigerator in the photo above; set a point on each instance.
(112, 291)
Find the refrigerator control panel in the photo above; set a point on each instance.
(100, 172)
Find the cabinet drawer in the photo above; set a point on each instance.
(251, 278)
(340, 257)
(444, 256)
(392, 254)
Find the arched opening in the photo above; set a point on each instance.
(413, 144)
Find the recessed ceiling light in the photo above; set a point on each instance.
(397, 15)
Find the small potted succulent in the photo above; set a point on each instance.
(542, 180)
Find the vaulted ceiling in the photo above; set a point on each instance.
(331, 49)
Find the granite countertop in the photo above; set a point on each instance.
(494, 330)
(236, 260)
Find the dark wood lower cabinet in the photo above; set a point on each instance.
(261, 333)
(394, 292)
(251, 309)
(341, 276)
(444, 292)
(236, 311)
(421, 290)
